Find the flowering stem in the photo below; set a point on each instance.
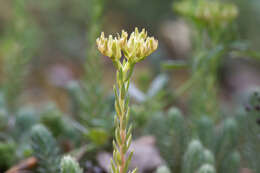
(135, 49)
(123, 135)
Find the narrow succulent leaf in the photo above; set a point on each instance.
(129, 141)
(127, 85)
(117, 105)
(123, 92)
(127, 98)
(118, 109)
(129, 74)
(116, 120)
(128, 161)
(118, 158)
(115, 91)
(114, 154)
(118, 137)
(126, 118)
(121, 75)
(113, 168)
(129, 131)
(135, 170)
(114, 144)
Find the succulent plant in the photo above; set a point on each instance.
(45, 149)
(69, 165)
(135, 48)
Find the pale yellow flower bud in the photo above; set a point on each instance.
(102, 43)
(123, 39)
(139, 46)
(136, 48)
(109, 47)
(116, 49)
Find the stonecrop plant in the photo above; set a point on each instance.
(135, 48)
(214, 35)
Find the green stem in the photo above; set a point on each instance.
(123, 132)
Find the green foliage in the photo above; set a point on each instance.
(17, 47)
(99, 136)
(7, 154)
(222, 141)
(163, 169)
(250, 132)
(192, 158)
(3, 120)
(152, 102)
(226, 141)
(195, 156)
(231, 163)
(89, 103)
(53, 119)
(172, 134)
(187, 145)
(61, 126)
(213, 35)
(91, 117)
(45, 149)
(25, 119)
(207, 168)
(69, 165)
(205, 131)
(20, 40)
(94, 101)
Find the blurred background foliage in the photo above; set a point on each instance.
(193, 94)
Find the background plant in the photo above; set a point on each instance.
(90, 104)
(44, 146)
(212, 41)
(249, 123)
(69, 165)
(213, 35)
(18, 46)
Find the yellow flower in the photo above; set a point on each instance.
(135, 48)
(139, 45)
(109, 47)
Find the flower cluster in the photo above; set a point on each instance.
(208, 11)
(109, 46)
(135, 48)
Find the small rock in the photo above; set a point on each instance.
(146, 156)
(103, 159)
